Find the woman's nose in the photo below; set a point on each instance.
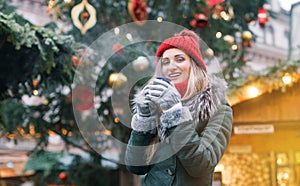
(172, 64)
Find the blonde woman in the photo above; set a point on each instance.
(182, 122)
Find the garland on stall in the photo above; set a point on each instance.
(279, 77)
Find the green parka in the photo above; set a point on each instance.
(199, 134)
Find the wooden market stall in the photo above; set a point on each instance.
(265, 143)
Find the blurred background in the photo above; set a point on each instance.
(44, 42)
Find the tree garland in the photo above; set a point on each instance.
(38, 51)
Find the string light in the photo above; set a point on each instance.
(219, 168)
(159, 19)
(218, 35)
(234, 47)
(252, 92)
(35, 92)
(225, 16)
(31, 129)
(129, 36)
(107, 132)
(116, 120)
(287, 79)
(64, 131)
(117, 31)
(229, 39)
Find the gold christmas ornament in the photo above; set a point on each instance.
(78, 10)
(246, 36)
(140, 64)
(117, 81)
(209, 53)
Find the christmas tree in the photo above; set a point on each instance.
(79, 85)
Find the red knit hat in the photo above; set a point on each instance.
(187, 41)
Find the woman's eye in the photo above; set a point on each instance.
(165, 62)
(180, 59)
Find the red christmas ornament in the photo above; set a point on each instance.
(211, 3)
(63, 176)
(83, 98)
(35, 82)
(262, 16)
(48, 10)
(216, 11)
(118, 48)
(200, 20)
(247, 44)
(85, 15)
(138, 10)
(77, 62)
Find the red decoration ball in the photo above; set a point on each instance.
(63, 176)
(83, 98)
(118, 48)
(200, 20)
(85, 15)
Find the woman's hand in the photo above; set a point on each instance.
(164, 94)
(145, 107)
(144, 119)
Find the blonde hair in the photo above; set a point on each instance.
(198, 81)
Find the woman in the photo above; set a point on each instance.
(182, 122)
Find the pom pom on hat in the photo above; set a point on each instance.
(187, 41)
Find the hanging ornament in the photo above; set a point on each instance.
(228, 14)
(262, 16)
(211, 3)
(83, 98)
(84, 15)
(51, 4)
(209, 53)
(117, 81)
(34, 100)
(84, 9)
(116, 119)
(118, 48)
(76, 61)
(229, 39)
(62, 176)
(54, 10)
(48, 10)
(246, 36)
(138, 10)
(246, 39)
(140, 64)
(199, 21)
(35, 82)
(216, 11)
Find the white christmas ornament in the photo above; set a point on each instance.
(33, 100)
(140, 64)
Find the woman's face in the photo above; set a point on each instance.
(176, 65)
